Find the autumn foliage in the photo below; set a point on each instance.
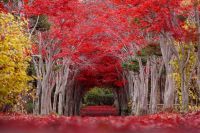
(14, 58)
(85, 38)
(80, 44)
(159, 123)
(99, 111)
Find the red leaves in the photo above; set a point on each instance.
(105, 72)
(99, 111)
(35, 49)
(139, 53)
(26, 1)
(132, 2)
(119, 84)
(89, 32)
(154, 15)
(159, 123)
(2, 9)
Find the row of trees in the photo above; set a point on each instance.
(173, 26)
(71, 63)
(81, 44)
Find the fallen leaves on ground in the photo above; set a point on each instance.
(158, 123)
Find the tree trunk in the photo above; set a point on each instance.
(184, 89)
(135, 104)
(169, 84)
(156, 70)
(144, 85)
(55, 102)
(60, 104)
(68, 98)
(130, 78)
(44, 104)
(123, 101)
(36, 110)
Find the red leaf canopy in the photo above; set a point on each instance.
(90, 34)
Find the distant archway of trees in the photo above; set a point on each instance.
(149, 52)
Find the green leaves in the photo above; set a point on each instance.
(98, 96)
(42, 24)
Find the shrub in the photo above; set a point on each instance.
(99, 96)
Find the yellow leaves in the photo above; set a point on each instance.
(190, 2)
(184, 50)
(13, 61)
(185, 3)
(194, 108)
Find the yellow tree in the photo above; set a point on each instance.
(14, 59)
(184, 70)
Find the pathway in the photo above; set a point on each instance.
(99, 111)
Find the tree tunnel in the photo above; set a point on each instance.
(105, 73)
(86, 51)
(80, 44)
(120, 102)
(100, 102)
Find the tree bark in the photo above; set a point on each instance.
(156, 70)
(169, 84)
(144, 85)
